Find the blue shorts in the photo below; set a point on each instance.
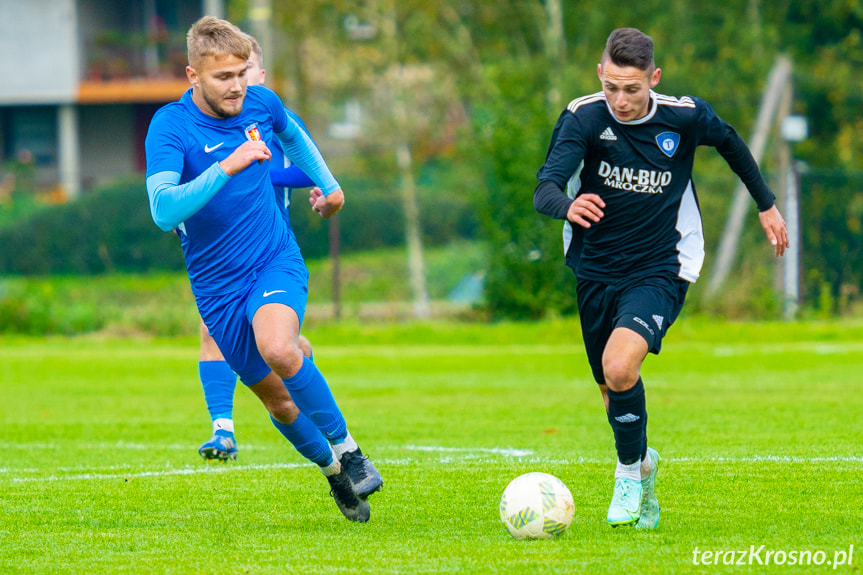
(228, 317)
(647, 306)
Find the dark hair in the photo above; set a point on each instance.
(629, 47)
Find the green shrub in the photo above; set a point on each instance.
(110, 230)
(105, 231)
(526, 276)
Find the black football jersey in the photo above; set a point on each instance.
(643, 172)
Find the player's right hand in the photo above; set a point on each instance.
(244, 155)
(584, 209)
(776, 230)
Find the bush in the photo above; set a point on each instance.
(110, 230)
(832, 223)
(105, 231)
(526, 277)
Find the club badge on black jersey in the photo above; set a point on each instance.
(668, 142)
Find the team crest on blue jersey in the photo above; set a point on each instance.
(668, 142)
(252, 132)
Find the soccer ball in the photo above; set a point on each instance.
(536, 506)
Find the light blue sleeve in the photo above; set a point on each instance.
(171, 203)
(300, 149)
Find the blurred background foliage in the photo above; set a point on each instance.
(460, 97)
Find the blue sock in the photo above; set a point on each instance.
(306, 439)
(313, 397)
(219, 382)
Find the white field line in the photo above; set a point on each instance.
(85, 446)
(451, 455)
(768, 458)
(504, 451)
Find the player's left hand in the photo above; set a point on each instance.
(774, 226)
(328, 205)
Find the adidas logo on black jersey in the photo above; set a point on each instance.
(607, 134)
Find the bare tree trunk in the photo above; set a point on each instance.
(404, 161)
(413, 235)
(555, 52)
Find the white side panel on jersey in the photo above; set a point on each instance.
(690, 248)
(572, 188)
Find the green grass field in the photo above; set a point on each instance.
(759, 425)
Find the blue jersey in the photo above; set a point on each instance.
(239, 228)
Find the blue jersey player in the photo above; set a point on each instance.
(619, 172)
(218, 380)
(208, 176)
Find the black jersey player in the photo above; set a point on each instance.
(619, 172)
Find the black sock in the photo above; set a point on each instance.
(628, 416)
(611, 422)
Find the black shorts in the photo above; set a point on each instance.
(647, 305)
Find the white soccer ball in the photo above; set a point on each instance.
(536, 506)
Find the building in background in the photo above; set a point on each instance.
(82, 79)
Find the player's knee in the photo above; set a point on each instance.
(282, 356)
(272, 350)
(620, 375)
(284, 411)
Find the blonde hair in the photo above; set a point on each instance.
(211, 36)
(256, 48)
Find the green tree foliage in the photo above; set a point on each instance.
(492, 71)
(497, 61)
(825, 38)
(525, 276)
(833, 243)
